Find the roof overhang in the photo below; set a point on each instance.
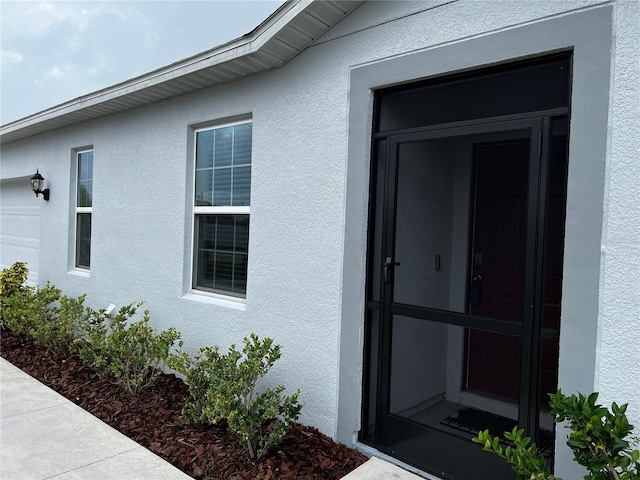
(282, 36)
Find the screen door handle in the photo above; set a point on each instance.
(388, 263)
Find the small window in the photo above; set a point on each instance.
(84, 195)
(222, 197)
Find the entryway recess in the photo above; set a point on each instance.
(465, 255)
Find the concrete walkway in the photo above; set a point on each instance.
(44, 436)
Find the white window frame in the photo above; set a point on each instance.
(79, 210)
(227, 297)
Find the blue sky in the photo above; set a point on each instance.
(54, 51)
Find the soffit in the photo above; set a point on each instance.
(282, 36)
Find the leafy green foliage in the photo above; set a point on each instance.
(56, 327)
(12, 286)
(599, 440)
(29, 312)
(599, 437)
(12, 279)
(223, 387)
(132, 353)
(200, 375)
(523, 455)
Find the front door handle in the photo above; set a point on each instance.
(388, 263)
(475, 294)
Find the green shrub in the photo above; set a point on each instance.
(132, 353)
(599, 440)
(223, 387)
(599, 437)
(523, 456)
(29, 312)
(58, 328)
(12, 284)
(42, 311)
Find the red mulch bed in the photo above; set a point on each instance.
(153, 420)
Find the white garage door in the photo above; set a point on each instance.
(19, 226)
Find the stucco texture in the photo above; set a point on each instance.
(309, 201)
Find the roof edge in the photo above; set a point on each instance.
(235, 48)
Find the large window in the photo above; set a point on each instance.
(84, 194)
(222, 196)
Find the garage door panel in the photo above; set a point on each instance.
(19, 227)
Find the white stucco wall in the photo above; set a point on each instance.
(311, 126)
(618, 357)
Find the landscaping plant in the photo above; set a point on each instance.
(43, 314)
(224, 387)
(600, 440)
(56, 326)
(12, 285)
(132, 353)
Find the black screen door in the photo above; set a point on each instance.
(459, 338)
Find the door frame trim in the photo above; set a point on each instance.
(590, 111)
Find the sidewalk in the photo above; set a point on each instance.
(44, 436)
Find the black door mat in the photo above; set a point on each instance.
(472, 420)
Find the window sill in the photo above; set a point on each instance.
(80, 273)
(214, 299)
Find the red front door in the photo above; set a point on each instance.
(498, 254)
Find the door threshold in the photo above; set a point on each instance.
(371, 451)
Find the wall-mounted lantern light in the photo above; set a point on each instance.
(37, 182)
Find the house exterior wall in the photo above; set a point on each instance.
(309, 198)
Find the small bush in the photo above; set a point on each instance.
(12, 285)
(42, 311)
(132, 353)
(49, 318)
(599, 440)
(223, 387)
(29, 312)
(523, 456)
(60, 326)
(600, 437)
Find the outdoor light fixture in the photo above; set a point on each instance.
(37, 182)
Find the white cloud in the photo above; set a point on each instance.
(56, 50)
(9, 58)
(53, 74)
(29, 19)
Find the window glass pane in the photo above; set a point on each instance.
(204, 188)
(85, 179)
(537, 87)
(222, 253)
(207, 234)
(204, 149)
(240, 273)
(225, 233)
(205, 268)
(223, 166)
(224, 271)
(241, 243)
(222, 187)
(242, 144)
(241, 186)
(223, 146)
(85, 166)
(89, 157)
(83, 240)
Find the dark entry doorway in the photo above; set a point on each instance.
(464, 283)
